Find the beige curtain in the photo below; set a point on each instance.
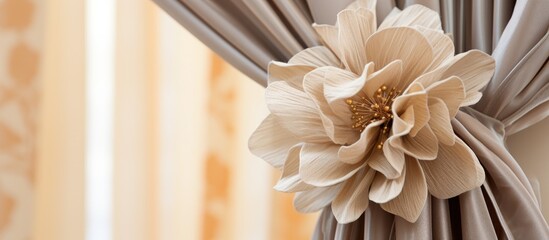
(182, 117)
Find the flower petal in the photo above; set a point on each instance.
(271, 142)
(315, 199)
(389, 162)
(329, 35)
(415, 15)
(416, 103)
(440, 121)
(423, 146)
(456, 170)
(388, 76)
(290, 73)
(296, 112)
(392, 16)
(443, 46)
(337, 126)
(290, 180)
(356, 152)
(318, 56)
(406, 44)
(352, 201)
(368, 4)
(384, 190)
(451, 91)
(411, 200)
(475, 69)
(319, 165)
(355, 27)
(338, 88)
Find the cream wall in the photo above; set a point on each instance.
(531, 149)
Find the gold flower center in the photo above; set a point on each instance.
(370, 109)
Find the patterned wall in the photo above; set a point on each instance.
(19, 69)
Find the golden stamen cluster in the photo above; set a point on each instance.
(366, 110)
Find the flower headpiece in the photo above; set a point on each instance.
(367, 117)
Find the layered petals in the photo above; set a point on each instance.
(352, 201)
(315, 199)
(318, 56)
(320, 166)
(455, 170)
(384, 189)
(357, 151)
(411, 200)
(271, 142)
(415, 15)
(290, 181)
(295, 111)
(355, 27)
(336, 126)
(390, 162)
(404, 43)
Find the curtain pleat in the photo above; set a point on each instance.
(520, 82)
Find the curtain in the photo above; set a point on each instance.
(250, 34)
(182, 117)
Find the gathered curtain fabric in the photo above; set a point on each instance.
(250, 33)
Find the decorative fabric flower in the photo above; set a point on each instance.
(368, 115)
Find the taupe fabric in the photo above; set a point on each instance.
(251, 33)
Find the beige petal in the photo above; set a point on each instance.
(388, 76)
(356, 152)
(406, 44)
(290, 73)
(318, 56)
(411, 201)
(440, 122)
(337, 126)
(423, 146)
(402, 122)
(451, 91)
(392, 16)
(415, 15)
(352, 201)
(429, 78)
(415, 102)
(296, 112)
(271, 142)
(368, 4)
(319, 165)
(389, 162)
(355, 27)
(475, 69)
(338, 88)
(443, 46)
(290, 180)
(315, 199)
(329, 35)
(456, 170)
(384, 189)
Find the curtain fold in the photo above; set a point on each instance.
(515, 33)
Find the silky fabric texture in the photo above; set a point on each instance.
(249, 34)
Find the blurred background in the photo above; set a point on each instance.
(116, 123)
